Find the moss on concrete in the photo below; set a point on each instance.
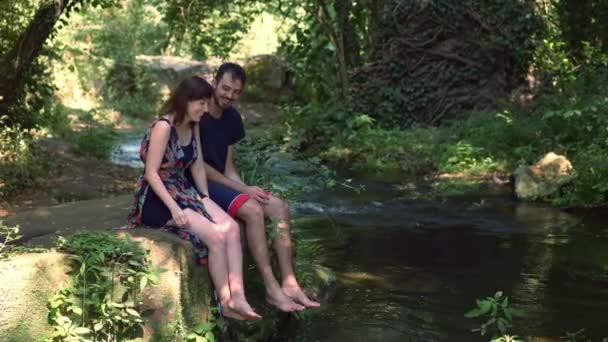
(170, 309)
(26, 283)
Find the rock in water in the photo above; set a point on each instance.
(544, 178)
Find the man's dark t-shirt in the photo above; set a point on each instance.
(218, 134)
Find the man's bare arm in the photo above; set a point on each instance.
(231, 171)
(218, 177)
(231, 179)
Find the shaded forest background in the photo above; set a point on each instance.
(387, 86)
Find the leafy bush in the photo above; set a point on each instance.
(109, 274)
(22, 163)
(95, 141)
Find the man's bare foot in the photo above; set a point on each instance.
(284, 303)
(296, 293)
(242, 308)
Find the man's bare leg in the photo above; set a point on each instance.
(279, 210)
(253, 215)
(215, 235)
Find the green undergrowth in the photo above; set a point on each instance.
(570, 119)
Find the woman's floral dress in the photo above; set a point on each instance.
(172, 172)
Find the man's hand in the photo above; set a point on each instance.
(258, 194)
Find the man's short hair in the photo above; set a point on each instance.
(233, 69)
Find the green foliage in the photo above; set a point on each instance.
(265, 163)
(496, 314)
(93, 134)
(15, 17)
(568, 118)
(591, 182)
(95, 141)
(103, 45)
(578, 22)
(466, 157)
(317, 32)
(338, 135)
(453, 187)
(207, 28)
(108, 276)
(125, 31)
(33, 105)
(22, 163)
(506, 338)
(311, 57)
(202, 333)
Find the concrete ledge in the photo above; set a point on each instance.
(170, 309)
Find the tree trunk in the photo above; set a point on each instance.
(347, 33)
(27, 47)
(375, 17)
(324, 18)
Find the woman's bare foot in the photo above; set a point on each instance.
(242, 308)
(284, 303)
(296, 293)
(226, 312)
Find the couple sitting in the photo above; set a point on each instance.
(191, 187)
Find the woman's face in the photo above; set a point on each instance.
(197, 108)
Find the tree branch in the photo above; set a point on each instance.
(27, 47)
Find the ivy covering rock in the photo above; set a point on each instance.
(434, 59)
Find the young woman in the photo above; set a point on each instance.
(165, 198)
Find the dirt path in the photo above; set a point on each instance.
(72, 178)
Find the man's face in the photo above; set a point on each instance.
(227, 90)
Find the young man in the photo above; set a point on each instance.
(221, 128)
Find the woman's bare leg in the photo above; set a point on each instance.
(222, 269)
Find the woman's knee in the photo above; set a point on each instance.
(232, 230)
(216, 240)
(213, 236)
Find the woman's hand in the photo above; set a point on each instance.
(179, 217)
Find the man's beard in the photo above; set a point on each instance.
(218, 102)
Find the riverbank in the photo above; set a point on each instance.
(568, 119)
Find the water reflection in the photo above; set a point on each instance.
(409, 269)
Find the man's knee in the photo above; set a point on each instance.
(251, 210)
(278, 208)
(284, 206)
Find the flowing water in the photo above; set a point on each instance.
(408, 269)
(126, 150)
